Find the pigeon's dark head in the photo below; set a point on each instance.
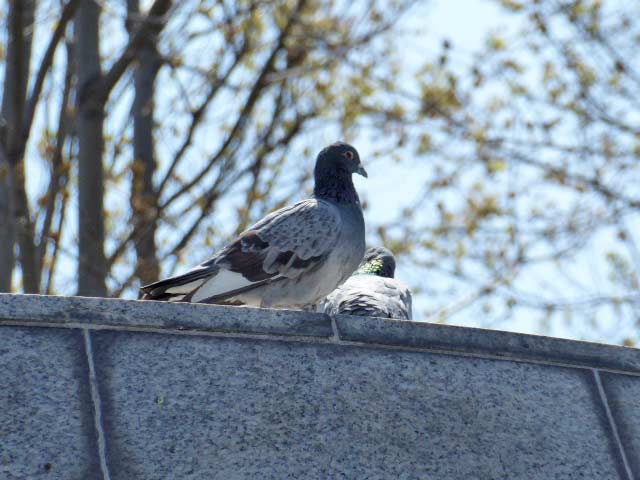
(339, 158)
(378, 261)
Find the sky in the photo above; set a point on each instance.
(466, 23)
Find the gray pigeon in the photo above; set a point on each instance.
(371, 291)
(291, 258)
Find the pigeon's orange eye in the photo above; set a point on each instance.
(349, 155)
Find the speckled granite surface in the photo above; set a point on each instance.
(265, 409)
(46, 414)
(623, 392)
(115, 389)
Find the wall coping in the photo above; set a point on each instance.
(183, 318)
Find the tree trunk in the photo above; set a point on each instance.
(144, 200)
(7, 233)
(91, 259)
(14, 216)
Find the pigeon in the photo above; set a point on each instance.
(291, 258)
(371, 291)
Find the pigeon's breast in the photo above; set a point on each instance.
(343, 260)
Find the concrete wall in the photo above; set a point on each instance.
(97, 389)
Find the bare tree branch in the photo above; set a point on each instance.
(152, 24)
(45, 65)
(249, 104)
(59, 171)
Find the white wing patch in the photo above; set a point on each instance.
(186, 288)
(225, 281)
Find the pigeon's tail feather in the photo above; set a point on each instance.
(179, 288)
(205, 284)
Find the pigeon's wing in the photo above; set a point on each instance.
(401, 301)
(285, 244)
(370, 296)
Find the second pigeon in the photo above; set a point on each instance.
(372, 291)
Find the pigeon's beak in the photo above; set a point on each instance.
(361, 171)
